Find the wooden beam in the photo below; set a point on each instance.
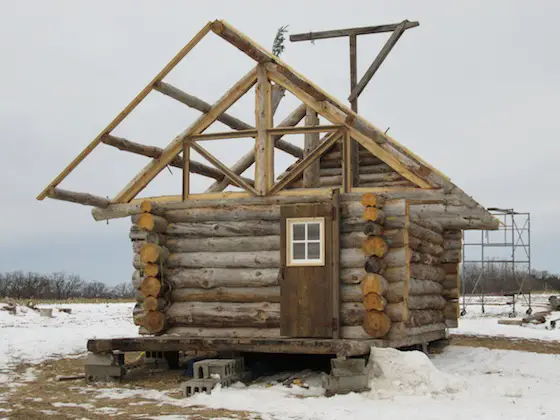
(311, 141)
(399, 30)
(229, 120)
(354, 147)
(236, 179)
(334, 115)
(78, 197)
(186, 170)
(226, 135)
(248, 159)
(315, 128)
(153, 168)
(337, 33)
(127, 110)
(264, 150)
(347, 169)
(273, 131)
(308, 160)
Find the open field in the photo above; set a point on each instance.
(484, 368)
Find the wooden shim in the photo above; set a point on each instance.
(375, 245)
(427, 272)
(376, 323)
(150, 222)
(373, 301)
(373, 283)
(77, 197)
(152, 253)
(222, 277)
(426, 302)
(253, 259)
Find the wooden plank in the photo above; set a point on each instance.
(311, 141)
(227, 172)
(186, 170)
(397, 33)
(327, 111)
(347, 169)
(300, 166)
(127, 110)
(338, 33)
(153, 168)
(264, 149)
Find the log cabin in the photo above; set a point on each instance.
(356, 244)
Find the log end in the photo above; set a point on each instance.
(374, 302)
(376, 323)
(369, 200)
(146, 206)
(150, 286)
(375, 245)
(154, 322)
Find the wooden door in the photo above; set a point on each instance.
(309, 289)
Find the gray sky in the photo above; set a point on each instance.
(473, 91)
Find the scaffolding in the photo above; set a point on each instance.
(510, 247)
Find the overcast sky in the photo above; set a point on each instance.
(474, 90)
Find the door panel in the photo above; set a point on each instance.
(306, 302)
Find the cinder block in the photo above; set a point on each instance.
(105, 359)
(345, 384)
(348, 367)
(194, 386)
(155, 359)
(98, 373)
(224, 368)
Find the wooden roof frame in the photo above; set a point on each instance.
(346, 123)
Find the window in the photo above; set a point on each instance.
(306, 241)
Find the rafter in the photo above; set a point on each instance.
(127, 110)
(228, 119)
(315, 154)
(337, 33)
(236, 179)
(202, 123)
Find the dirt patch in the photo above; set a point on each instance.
(506, 343)
(39, 395)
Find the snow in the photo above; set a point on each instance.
(461, 383)
(28, 337)
(475, 322)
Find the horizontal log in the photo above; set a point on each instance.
(450, 268)
(224, 244)
(397, 257)
(396, 274)
(400, 331)
(352, 258)
(429, 224)
(424, 317)
(78, 197)
(373, 283)
(224, 214)
(137, 278)
(425, 234)
(450, 256)
(378, 168)
(396, 238)
(450, 293)
(397, 311)
(452, 243)
(253, 259)
(352, 313)
(396, 222)
(227, 294)
(397, 292)
(150, 237)
(352, 275)
(427, 272)
(210, 229)
(423, 258)
(152, 253)
(426, 302)
(452, 234)
(350, 293)
(376, 323)
(398, 183)
(149, 222)
(427, 247)
(451, 310)
(451, 281)
(222, 277)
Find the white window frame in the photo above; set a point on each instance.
(315, 262)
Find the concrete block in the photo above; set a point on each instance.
(348, 367)
(345, 384)
(156, 360)
(46, 312)
(105, 359)
(224, 368)
(98, 373)
(194, 386)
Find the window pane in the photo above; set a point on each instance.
(299, 251)
(313, 250)
(313, 231)
(298, 231)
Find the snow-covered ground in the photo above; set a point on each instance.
(476, 322)
(460, 383)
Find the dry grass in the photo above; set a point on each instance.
(35, 399)
(507, 343)
(64, 301)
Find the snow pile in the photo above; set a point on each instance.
(393, 372)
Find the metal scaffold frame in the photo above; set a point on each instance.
(514, 236)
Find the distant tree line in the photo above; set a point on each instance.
(500, 278)
(20, 285)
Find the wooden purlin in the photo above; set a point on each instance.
(174, 148)
(127, 110)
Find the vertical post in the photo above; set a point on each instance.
(335, 271)
(346, 162)
(186, 169)
(264, 149)
(355, 147)
(311, 140)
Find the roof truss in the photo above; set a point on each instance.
(346, 123)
